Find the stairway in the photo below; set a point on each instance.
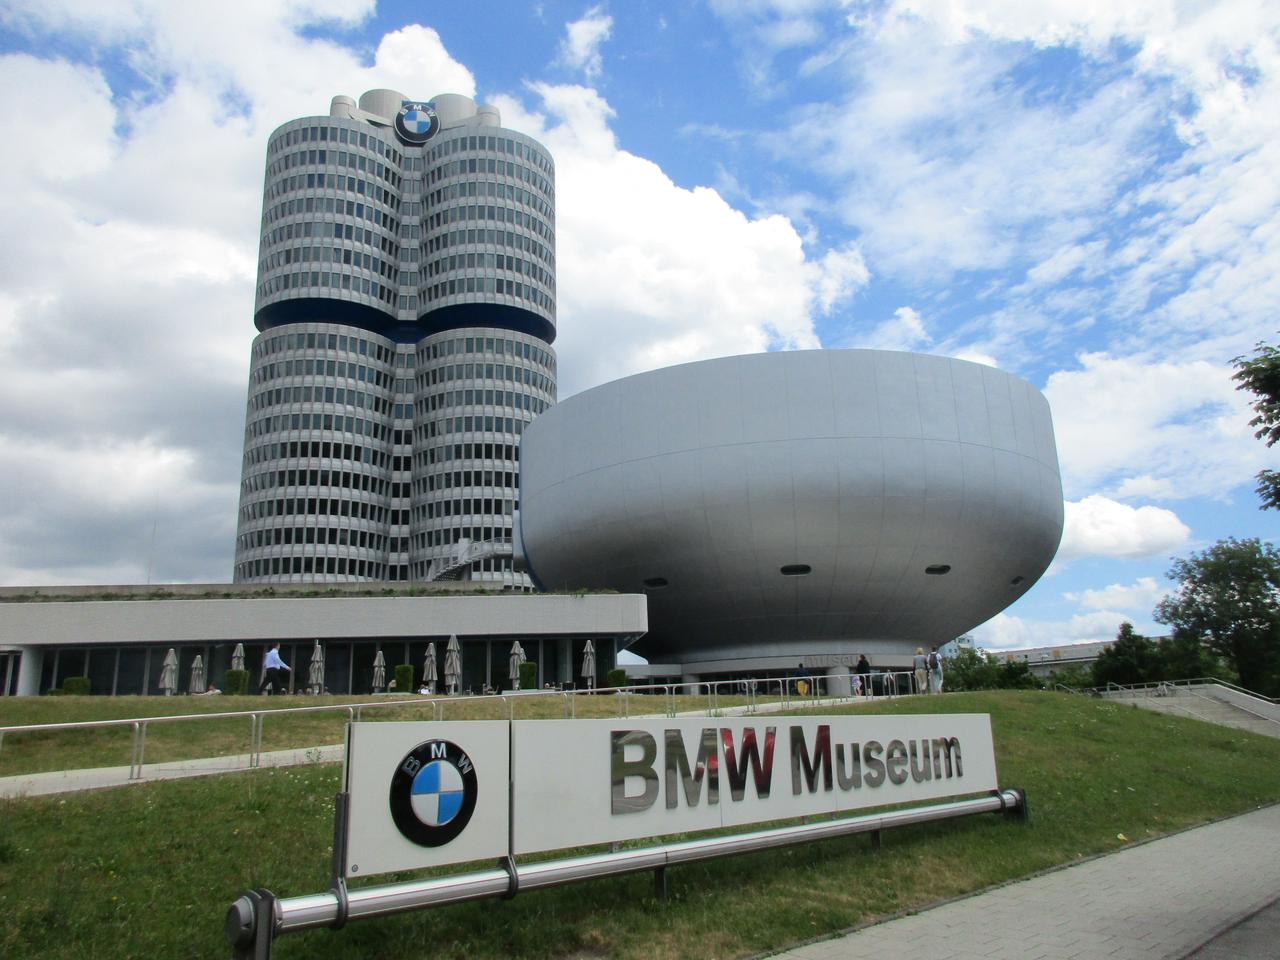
(1206, 701)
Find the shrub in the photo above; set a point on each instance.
(76, 686)
(236, 682)
(529, 675)
(617, 677)
(55, 692)
(404, 678)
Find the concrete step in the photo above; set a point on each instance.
(1200, 706)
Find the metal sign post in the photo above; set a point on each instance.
(419, 795)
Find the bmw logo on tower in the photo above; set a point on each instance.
(433, 793)
(417, 122)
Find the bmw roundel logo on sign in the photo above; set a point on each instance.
(433, 793)
(417, 122)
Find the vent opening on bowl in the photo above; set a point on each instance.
(795, 570)
(938, 569)
(1017, 580)
(655, 583)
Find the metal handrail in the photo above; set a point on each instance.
(1137, 687)
(257, 918)
(714, 690)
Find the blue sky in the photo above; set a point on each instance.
(1081, 193)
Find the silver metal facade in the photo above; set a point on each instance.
(406, 303)
(793, 505)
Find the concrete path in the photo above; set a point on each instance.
(69, 781)
(1177, 897)
(99, 778)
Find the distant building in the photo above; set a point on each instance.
(118, 636)
(406, 300)
(1047, 661)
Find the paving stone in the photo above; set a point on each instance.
(1161, 899)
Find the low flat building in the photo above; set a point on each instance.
(119, 636)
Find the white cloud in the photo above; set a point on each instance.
(1141, 595)
(660, 273)
(905, 330)
(580, 48)
(1099, 527)
(1007, 632)
(1136, 428)
(127, 269)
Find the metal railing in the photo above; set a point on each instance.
(1197, 681)
(257, 918)
(788, 692)
(1168, 688)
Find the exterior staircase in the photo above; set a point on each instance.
(1209, 700)
(453, 567)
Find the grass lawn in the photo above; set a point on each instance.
(184, 740)
(149, 871)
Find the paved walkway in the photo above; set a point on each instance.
(1207, 893)
(99, 778)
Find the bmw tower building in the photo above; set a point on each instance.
(406, 309)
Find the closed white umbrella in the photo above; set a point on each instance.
(589, 664)
(516, 658)
(429, 668)
(315, 676)
(452, 665)
(379, 671)
(197, 675)
(237, 657)
(169, 673)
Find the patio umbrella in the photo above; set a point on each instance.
(379, 671)
(315, 677)
(589, 664)
(452, 665)
(169, 673)
(197, 684)
(429, 668)
(513, 664)
(237, 657)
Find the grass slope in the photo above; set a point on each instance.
(149, 871)
(22, 753)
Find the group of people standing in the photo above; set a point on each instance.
(928, 670)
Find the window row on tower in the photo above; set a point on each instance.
(322, 340)
(340, 182)
(474, 189)
(318, 534)
(312, 507)
(348, 160)
(451, 145)
(276, 452)
(290, 135)
(340, 566)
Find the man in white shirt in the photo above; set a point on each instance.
(276, 667)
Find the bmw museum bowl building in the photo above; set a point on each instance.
(788, 511)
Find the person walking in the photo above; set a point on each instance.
(920, 664)
(276, 668)
(935, 671)
(863, 670)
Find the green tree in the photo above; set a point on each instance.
(1130, 659)
(969, 669)
(1229, 595)
(1260, 375)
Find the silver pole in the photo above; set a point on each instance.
(322, 909)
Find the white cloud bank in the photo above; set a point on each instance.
(127, 265)
(1099, 527)
(650, 273)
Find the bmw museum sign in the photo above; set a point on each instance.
(432, 793)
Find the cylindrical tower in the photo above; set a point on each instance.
(406, 303)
